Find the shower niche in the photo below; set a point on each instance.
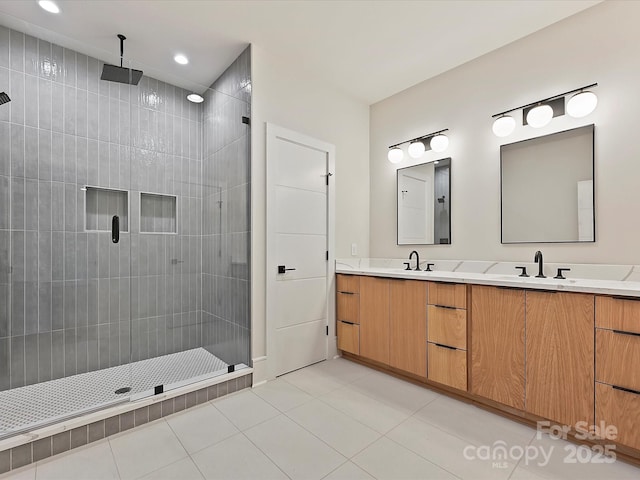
(101, 204)
(158, 213)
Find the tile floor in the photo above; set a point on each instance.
(333, 420)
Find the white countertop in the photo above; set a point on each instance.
(606, 287)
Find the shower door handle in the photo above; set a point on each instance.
(115, 229)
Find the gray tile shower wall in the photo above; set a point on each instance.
(70, 300)
(227, 223)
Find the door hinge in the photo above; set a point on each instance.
(246, 120)
(327, 177)
(327, 327)
(327, 256)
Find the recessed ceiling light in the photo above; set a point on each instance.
(181, 59)
(49, 6)
(195, 98)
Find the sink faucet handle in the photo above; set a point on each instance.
(406, 264)
(559, 276)
(429, 265)
(523, 271)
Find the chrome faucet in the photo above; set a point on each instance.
(540, 262)
(417, 259)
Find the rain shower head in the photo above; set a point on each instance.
(120, 74)
(4, 98)
(113, 73)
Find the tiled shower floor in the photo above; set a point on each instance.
(34, 405)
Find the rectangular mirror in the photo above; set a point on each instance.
(424, 203)
(547, 188)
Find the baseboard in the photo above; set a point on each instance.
(259, 371)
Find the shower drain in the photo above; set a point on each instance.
(122, 390)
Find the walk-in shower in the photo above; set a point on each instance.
(86, 321)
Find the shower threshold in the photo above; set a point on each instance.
(34, 406)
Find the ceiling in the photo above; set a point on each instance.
(367, 49)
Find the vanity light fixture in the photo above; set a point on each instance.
(538, 114)
(582, 104)
(504, 126)
(436, 141)
(439, 143)
(416, 149)
(395, 154)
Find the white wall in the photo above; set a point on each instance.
(597, 45)
(286, 96)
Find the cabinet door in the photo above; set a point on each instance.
(408, 326)
(448, 294)
(560, 356)
(374, 319)
(349, 337)
(497, 345)
(447, 326)
(448, 366)
(619, 408)
(348, 307)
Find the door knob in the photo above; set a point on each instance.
(284, 269)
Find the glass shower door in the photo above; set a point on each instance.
(165, 239)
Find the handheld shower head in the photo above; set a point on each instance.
(4, 98)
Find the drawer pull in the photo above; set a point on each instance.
(445, 346)
(348, 323)
(445, 306)
(620, 297)
(622, 332)
(628, 390)
(346, 293)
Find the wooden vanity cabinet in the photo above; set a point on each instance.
(447, 334)
(560, 356)
(498, 344)
(374, 318)
(617, 359)
(408, 326)
(348, 313)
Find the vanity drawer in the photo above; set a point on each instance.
(617, 359)
(620, 409)
(349, 337)
(447, 294)
(447, 366)
(348, 283)
(447, 326)
(618, 313)
(348, 307)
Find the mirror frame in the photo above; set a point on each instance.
(398, 206)
(593, 176)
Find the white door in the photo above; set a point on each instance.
(297, 246)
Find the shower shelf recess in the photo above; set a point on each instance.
(158, 213)
(101, 204)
